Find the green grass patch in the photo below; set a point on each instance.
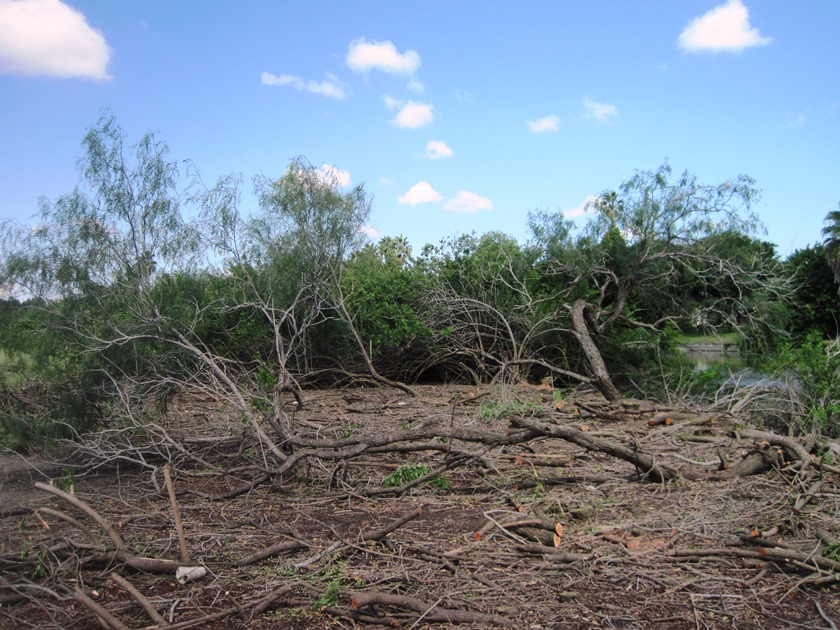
(730, 338)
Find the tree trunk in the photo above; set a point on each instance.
(600, 375)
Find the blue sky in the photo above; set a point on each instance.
(457, 116)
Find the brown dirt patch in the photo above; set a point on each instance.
(623, 561)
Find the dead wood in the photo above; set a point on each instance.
(552, 553)
(122, 553)
(268, 552)
(798, 560)
(429, 612)
(357, 540)
(646, 464)
(95, 540)
(100, 611)
(140, 598)
(381, 532)
(753, 463)
(176, 513)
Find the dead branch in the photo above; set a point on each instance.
(430, 612)
(140, 598)
(268, 552)
(176, 513)
(380, 533)
(99, 610)
(97, 542)
(122, 553)
(753, 463)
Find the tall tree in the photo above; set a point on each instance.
(642, 241)
(831, 236)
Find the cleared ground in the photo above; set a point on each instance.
(536, 534)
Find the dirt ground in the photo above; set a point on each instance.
(537, 534)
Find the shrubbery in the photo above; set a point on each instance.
(239, 301)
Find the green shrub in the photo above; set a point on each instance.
(411, 472)
(815, 367)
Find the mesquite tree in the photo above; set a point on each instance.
(159, 302)
(648, 245)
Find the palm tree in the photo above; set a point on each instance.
(831, 241)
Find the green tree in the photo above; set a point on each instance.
(831, 236)
(815, 302)
(631, 263)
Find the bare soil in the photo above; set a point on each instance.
(630, 554)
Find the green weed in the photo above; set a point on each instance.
(411, 472)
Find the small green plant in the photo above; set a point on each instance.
(832, 552)
(349, 428)
(411, 472)
(495, 409)
(266, 375)
(66, 482)
(41, 566)
(330, 596)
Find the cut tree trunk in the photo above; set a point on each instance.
(600, 375)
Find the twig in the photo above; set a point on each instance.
(825, 617)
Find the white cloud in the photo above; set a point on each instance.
(436, 149)
(333, 174)
(545, 124)
(415, 85)
(421, 192)
(414, 115)
(370, 231)
(384, 181)
(391, 102)
(468, 202)
(725, 28)
(363, 56)
(586, 208)
(329, 87)
(598, 111)
(47, 37)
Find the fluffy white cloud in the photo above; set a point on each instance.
(47, 37)
(363, 56)
(329, 87)
(334, 175)
(370, 231)
(599, 111)
(468, 202)
(586, 208)
(725, 28)
(545, 124)
(421, 192)
(414, 115)
(436, 149)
